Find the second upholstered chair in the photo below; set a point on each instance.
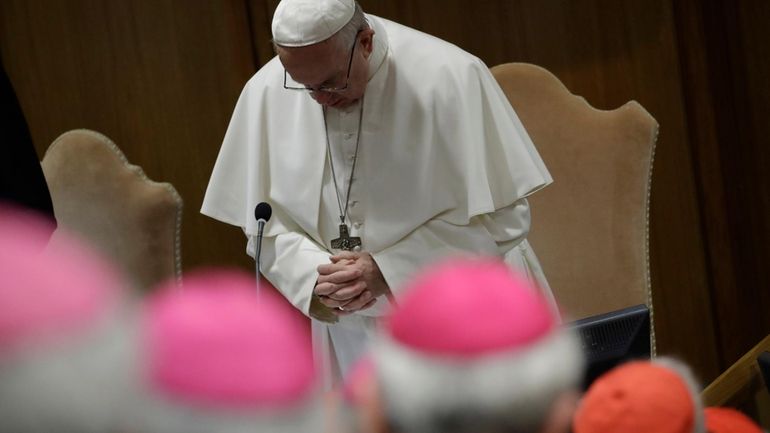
(590, 227)
(111, 203)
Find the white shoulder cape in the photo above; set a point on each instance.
(439, 141)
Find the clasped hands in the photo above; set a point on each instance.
(350, 283)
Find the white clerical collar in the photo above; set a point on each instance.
(380, 43)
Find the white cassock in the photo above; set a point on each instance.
(443, 168)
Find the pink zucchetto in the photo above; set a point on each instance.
(472, 345)
(469, 308)
(217, 343)
(218, 357)
(356, 410)
(63, 330)
(361, 373)
(48, 291)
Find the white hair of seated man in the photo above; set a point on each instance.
(69, 386)
(504, 392)
(163, 415)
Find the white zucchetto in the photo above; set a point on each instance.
(299, 23)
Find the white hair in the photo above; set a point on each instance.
(74, 384)
(153, 412)
(511, 391)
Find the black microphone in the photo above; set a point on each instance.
(262, 213)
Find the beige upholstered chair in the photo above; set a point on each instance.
(590, 227)
(110, 203)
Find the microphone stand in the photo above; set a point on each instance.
(262, 213)
(257, 256)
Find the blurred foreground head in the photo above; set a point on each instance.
(215, 357)
(728, 420)
(62, 331)
(474, 348)
(658, 396)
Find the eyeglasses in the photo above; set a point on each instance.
(323, 88)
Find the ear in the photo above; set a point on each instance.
(559, 418)
(366, 39)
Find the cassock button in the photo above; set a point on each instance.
(348, 136)
(353, 203)
(356, 225)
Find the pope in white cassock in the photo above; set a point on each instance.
(381, 149)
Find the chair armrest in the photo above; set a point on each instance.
(740, 381)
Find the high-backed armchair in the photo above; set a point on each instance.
(590, 227)
(109, 202)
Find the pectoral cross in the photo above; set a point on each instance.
(345, 242)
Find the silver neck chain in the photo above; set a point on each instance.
(344, 212)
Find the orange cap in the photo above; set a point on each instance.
(727, 420)
(638, 397)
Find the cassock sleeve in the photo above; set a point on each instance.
(289, 262)
(514, 247)
(501, 233)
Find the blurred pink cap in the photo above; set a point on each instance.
(360, 376)
(215, 342)
(468, 308)
(48, 291)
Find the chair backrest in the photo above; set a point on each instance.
(590, 228)
(98, 195)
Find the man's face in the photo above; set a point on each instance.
(325, 65)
